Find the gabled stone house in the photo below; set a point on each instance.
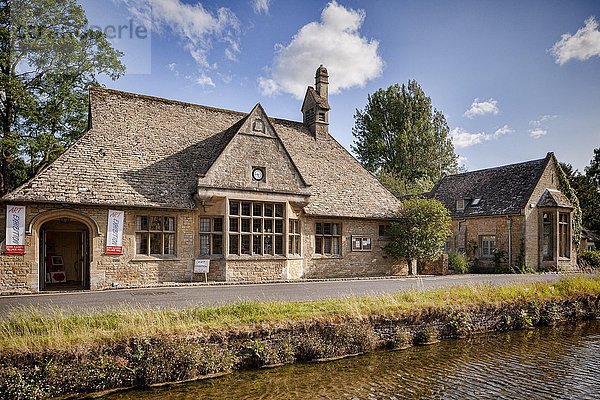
(515, 210)
(260, 198)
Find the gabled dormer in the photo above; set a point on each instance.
(315, 108)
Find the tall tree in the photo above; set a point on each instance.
(404, 140)
(593, 170)
(588, 194)
(48, 60)
(419, 231)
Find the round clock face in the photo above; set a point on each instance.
(258, 174)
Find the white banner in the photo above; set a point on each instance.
(15, 229)
(114, 232)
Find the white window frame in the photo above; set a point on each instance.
(487, 249)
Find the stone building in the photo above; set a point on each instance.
(510, 215)
(256, 198)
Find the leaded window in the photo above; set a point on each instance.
(155, 235)
(328, 238)
(256, 228)
(211, 235)
(563, 235)
(547, 242)
(294, 236)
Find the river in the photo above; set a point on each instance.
(546, 363)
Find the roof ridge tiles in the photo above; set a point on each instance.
(496, 168)
(183, 103)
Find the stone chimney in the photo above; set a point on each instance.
(315, 108)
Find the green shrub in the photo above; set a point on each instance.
(458, 262)
(524, 269)
(501, 262)
(590, 258)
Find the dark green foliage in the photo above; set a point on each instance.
(593, 170)
(403, 139)
(501, 262)
(590, 258)
(48, 59)
(587, 188)
(458, 262)
(565, 186)
(459, 324)
(420, 230)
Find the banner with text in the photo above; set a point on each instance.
(15, 229)
(114, 233)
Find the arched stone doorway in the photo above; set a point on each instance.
(64, 255)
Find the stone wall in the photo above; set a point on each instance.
(435, 267)
(256, 270)
(127, 269)
(497, 226)
(548, 180)
(15, 274)
(350, 263)
(21, 273)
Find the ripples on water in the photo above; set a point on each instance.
(559, 363)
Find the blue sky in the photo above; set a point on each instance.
(515, 79)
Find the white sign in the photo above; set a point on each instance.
(201, 266)
(114, 232)
(15, 229)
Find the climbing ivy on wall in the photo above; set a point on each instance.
(565, 187)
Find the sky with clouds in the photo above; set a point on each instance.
(515, 79)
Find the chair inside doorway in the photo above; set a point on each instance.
(63, 261)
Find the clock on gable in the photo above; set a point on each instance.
(258, 174)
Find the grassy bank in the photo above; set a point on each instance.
(55, 353)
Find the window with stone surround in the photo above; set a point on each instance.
(256, 228)
(384, 231)
(488, 245)
(547, 237)
(563, 235)
(294, 237)
(155, 235)
(211, 236)
(328, 238)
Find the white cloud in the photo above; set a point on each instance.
(537, 133)
(261, 6)
(196, 27)
(335, 42)
(204, 80)
(584, 44)
(463, 138)
(536, 130)
(479, 108)
(505, 130)
(173, 68)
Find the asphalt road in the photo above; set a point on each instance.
(183, 297)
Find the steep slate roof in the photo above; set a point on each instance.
(502, 190)
(554, 198)
(144, 151)
(590, 235)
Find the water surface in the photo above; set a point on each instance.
(547, 363)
